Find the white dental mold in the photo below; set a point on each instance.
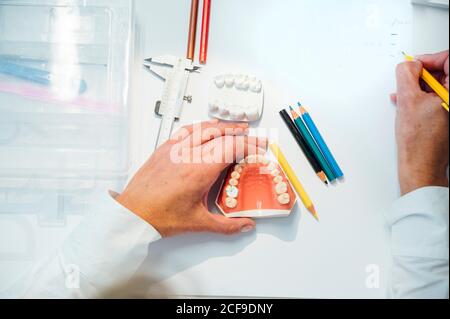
(237, 98)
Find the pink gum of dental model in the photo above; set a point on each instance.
(256, 188)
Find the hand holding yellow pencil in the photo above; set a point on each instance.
(434, 84)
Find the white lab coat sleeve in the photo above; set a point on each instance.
(105, 250)
(419, 225)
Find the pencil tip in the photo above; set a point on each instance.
(314, 213)
(299, 104)
(323, 177)
(292, 109)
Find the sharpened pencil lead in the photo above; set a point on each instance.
(323, 177)
(293, 113)
(313, 212)
(303, 111)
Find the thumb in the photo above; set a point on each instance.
(229, 226)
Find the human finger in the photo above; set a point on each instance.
(435, 62)
(224, 151)
(228, 226)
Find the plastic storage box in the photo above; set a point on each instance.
(64, 74)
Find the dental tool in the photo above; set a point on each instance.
(175, 72)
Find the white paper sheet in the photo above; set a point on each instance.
(338, 58)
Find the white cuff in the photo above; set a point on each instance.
(419, 223)
(110, 245)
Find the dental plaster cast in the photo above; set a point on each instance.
(256, 188)
(238, 98)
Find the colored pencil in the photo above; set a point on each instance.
(321, 142)
(434, 84)
(192, 30)
(313, 146)
(303, 146)
(204, 40)
(300, 190)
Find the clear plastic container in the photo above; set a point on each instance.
(64, 76)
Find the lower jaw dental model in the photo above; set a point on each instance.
(256, 188)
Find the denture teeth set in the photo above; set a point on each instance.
(237, 98)
(256, 188)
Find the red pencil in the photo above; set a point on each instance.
(205, 31)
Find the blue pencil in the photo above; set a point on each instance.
(321, 142)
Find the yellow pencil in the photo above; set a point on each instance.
(294, 180)
(434, 84)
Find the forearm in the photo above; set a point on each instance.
(105, 250)
(419, 223)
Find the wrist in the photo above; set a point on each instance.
(413, 179)
(133, 205)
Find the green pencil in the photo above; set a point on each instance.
(313, 146)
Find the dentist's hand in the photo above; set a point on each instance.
(422, 127)
(171, 189)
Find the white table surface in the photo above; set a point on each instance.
(339, 59)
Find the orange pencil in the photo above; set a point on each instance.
(192, 30)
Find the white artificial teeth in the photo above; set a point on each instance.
(231, 202)
(241, 82)
(233, 182)
(271, 167)
(224, 112)
(264, 160)
(275, 172)
(252, 114)
(278, 179)
(239, 79)
(232, 191)
(236, 114)
(235, 175)
(281, 188)
(219, 81)
(243, 162)
(213, 107)
(284, 199)
(256, 87)
(244, 86)
(251, 159)
(238, 169)
(229, 80)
